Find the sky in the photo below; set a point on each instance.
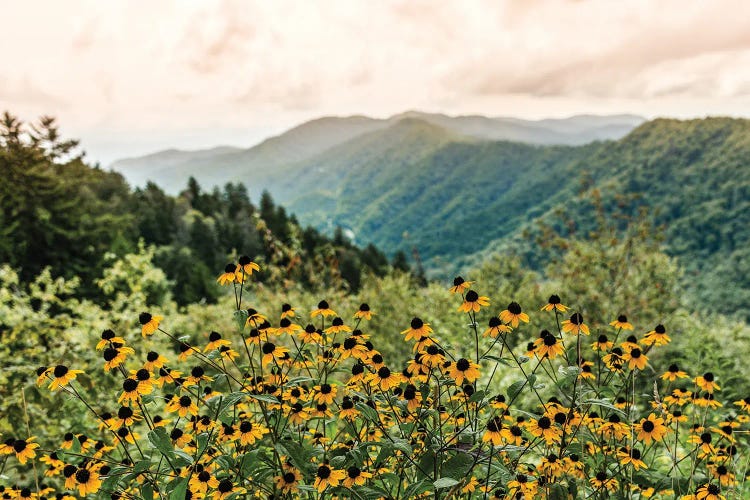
(132, 77)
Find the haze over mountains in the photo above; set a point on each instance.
(171, 168)
(437, 184)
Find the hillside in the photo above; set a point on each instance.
(452, 196)
(261, 166)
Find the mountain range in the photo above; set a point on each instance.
(452, 190)
(259, 165)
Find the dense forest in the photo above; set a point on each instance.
(57, 211)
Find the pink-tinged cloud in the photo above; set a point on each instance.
(199, 73)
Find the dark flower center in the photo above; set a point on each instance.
(246, 426)
(554, 299)
(660, 329)
(108, 334)
(472, 296)
(289, 478)
(514, 308)
(185, 401)
(463, 364)
(364, 307)
(225, 486)
(60, 371)
(384, 372)
(129, 385)
(323, 305)
(622, 318)
(324, 472)
(353, 472)
(648, 426)
(576, 318)
(545, 423)
(268, 348)
(83, 476)
(144, 318)
(417, 323)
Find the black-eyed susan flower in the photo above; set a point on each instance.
(544, 428)
(287, 327)
(108, 337)
(492, 431)
(250, 432)
(512, 435)
(707, 382)
(287, 311)
(460, 285)
(433, 356)
(228, 276)
(495, 327)
(650, 429)
(417, 330)
(114, 357)
(182, 405)
(323, 309)
(325, 477)
(227, 488)
(384, 379)
(621, 323)
(554, 304)
(744, 404)
(272, 353)
(657, 336)
(602, 481)
(631, 457)
(522, 487)
(412, 397)
(473, 302)
(602, 343)
(87, 481)
(325, 393)
(351, 347)
(149, 323)
(463, 369)
(673, 373)
(154, 361)
(709, 491)
(247, 266)
(364, 312)
(547, 345)
(254, 318)
(43, 374)
(288, 482)
(575, 325)
(337, 326)
(201, 482)
(24, 449)
(215, 341)
(356, 476)
(635, 359)
(513, 314)
(62, 376)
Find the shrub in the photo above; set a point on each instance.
(287, 406)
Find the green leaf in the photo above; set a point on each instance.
(604, 404)
(444, 482)
(368, 412)
(147, 491)
(266, 398)
(515, 389)
(161, 441)
(557, 492)
(180, 489)
(458, 466)
(240, 317)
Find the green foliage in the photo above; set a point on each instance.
(60, 213)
